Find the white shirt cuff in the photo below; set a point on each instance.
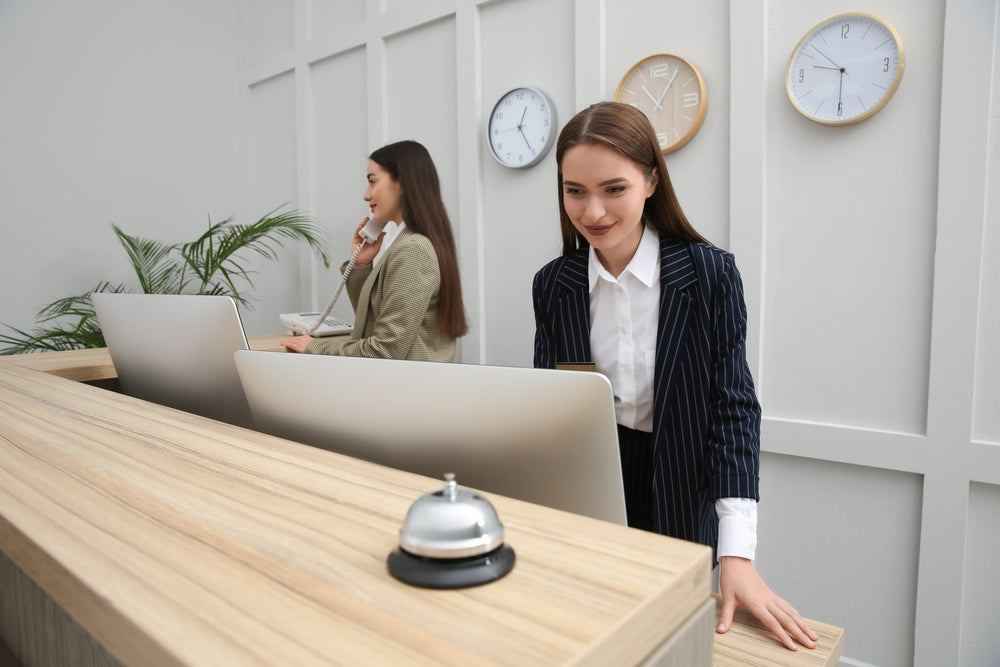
(737, 527)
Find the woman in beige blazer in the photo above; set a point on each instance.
(408, 304)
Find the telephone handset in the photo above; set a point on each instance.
(370, 232)
(303, 324)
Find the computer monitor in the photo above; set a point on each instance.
(544, 436)
(177, 350)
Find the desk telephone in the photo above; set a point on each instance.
(322, 324)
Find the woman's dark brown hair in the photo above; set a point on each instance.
(625, 130)
(410, 165)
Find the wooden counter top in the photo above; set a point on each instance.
(174, 539)
(156, 527)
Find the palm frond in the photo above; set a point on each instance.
(215, 257)
(52, 339)
(200, 255)
(79, 305)
(156, 272)
(82, 332)
(213, 261)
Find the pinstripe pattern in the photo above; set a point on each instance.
(636, 451)
(706, 416)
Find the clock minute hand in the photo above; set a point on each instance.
(525, 137)
(840, 94)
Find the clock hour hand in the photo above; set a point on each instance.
(656, 102)
(828, 58)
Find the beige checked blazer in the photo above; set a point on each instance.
(396, 307)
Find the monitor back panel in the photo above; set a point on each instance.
(177, 350)
(544, 436)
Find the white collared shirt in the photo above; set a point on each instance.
(624, 313)
(392, 230)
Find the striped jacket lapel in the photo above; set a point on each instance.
(677, 277)
(573, 307)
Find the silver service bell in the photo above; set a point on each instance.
(451, 538)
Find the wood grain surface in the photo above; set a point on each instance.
(748, 642)
(217, 508)
(174, 539)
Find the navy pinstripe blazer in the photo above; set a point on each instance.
(706, 416)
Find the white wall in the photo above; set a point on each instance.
(113, 111)
(869, 253)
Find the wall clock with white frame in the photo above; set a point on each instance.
(522, 127)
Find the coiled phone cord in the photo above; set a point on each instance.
(340, 287)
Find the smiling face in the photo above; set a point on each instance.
(604, 194)
(384, 195)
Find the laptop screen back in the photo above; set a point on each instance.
(544, 436)
(177, 350)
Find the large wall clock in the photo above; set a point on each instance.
(522, 127)
(845, 69)
(671, 92)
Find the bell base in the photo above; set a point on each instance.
(450, 572)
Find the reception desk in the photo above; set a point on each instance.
(143, 535)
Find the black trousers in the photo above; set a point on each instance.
(636, 450)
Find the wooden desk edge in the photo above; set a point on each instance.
(94, 364)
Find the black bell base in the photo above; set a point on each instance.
(451, 572)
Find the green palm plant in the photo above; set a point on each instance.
(214, 263)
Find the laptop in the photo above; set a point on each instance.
(544, 436)
(177, 350)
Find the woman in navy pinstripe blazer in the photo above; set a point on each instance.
(639, 293)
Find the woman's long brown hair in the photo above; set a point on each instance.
(625, 130)
(410, 165)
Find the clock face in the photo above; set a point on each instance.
(522, 127)
(671, 92)
(845, 69)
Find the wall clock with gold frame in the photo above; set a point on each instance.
(845, 69)
(671, 92)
